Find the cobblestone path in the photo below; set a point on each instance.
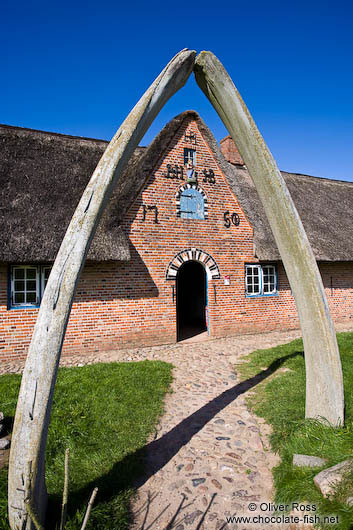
(210, 457)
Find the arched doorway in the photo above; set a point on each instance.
(191, 300)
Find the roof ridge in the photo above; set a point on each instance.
(335, 181)
(184, 114)
(63, 135)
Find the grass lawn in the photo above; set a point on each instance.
(104, 414)
(280, 399)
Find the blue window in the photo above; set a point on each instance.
(27, 284)
(260, 280)
(189, 156)
(192, 204)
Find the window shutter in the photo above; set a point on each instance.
(192, 205)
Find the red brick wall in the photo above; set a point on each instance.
(230, 151)
(121, 304)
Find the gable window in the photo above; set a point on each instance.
(189, 156)
(27, 285)
(192, 204)
(260, 280)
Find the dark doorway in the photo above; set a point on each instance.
(191, 300)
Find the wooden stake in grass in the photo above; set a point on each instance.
(89, 507)
(324, 382)
(33, 515)
(34, 404)
(65, 490)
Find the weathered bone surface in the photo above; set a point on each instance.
(324, 383)
(38, 381)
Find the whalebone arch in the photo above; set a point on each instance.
(323, 367)
(193, 254)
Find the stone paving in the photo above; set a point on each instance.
(210, 457)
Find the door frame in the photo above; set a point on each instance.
(206, 309)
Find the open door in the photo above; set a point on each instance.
(191, 300)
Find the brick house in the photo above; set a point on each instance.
(188, 249)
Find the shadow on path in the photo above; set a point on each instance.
(161, 451)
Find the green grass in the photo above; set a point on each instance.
(104, 414)
(280, 400)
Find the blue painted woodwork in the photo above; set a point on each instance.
(207, 314)
(192, 205)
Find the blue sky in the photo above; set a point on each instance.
(79, 67)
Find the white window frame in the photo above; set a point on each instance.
(249, 269)
(25, 291)
(39, 289)
(262, 285)
(187, 158)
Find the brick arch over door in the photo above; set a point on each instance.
(196, 255)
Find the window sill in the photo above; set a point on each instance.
(261, 295)
(16, 307)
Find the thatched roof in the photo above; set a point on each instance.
(325, 207)
(42, 177)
